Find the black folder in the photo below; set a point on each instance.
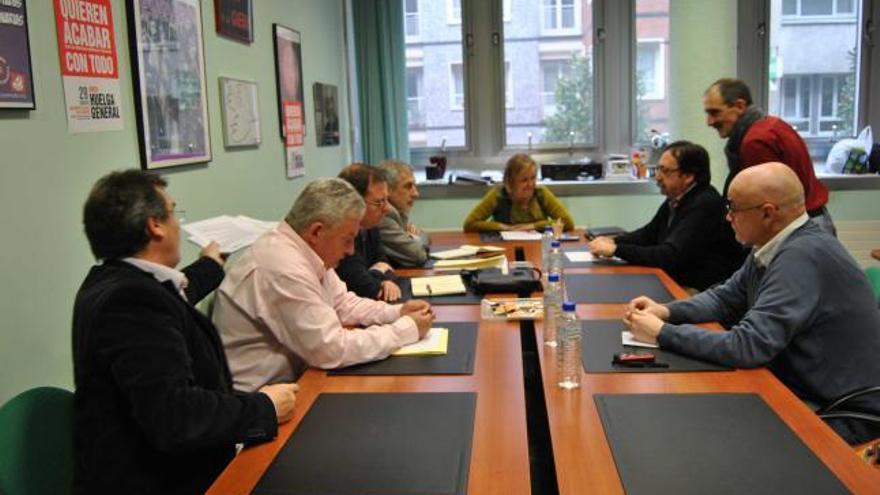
(601, 340)
(459, 359)
(463, 299)
(708, 443)
(377, 443)
(596, 288)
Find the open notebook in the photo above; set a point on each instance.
(439, 285)
(466, 251)
(434, 343)
(471, 263)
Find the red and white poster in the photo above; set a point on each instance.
(89, 65)
(294, 128)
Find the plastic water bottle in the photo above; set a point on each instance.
(546, 238)
(555, 262)
(568, 353)
(552, 308)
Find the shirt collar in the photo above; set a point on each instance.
(161, 273)
(765, 254)
(674, 202)
(315, 263)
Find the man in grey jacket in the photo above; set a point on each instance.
(800, 305)
(404, 243)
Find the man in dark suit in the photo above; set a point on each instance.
(688, 236)
(155, 411)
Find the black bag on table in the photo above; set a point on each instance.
(522, 281)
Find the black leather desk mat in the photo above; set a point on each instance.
(707, 443)
(389, 443)
(459, 359)
(601, 340)
(459, 299)
(567, 263)
(599, 288)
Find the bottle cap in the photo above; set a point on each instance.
(568, 306)
(553, 277)
(548, 228)
(554, 243)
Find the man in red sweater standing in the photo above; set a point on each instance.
(754, 138)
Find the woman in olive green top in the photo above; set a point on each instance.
(518, 204)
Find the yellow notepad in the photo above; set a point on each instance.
(434, 343)
(440, 285)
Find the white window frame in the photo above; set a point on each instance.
(560, 31)
(453, 96)
(659, 68)
(509, 100)
(558, 59)
(417, 15)
(451, 19)
(834, 12)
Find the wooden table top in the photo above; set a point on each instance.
(584, 464)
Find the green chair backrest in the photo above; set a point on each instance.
(36, 443)
(873, 273)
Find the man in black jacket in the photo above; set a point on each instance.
(155, 411)
(688, 236)
(367, 272)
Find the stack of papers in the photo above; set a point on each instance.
(628, 339)
(499, 261)
(440, 285)
(232, 233)
(435, 343)
(466, 251)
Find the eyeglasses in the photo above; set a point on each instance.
(732, 208)
(378, 203)
(667, 170)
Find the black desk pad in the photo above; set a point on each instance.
(601, 340)
(458, 360)
(707, 443)
(386, 443)
(567, 263)
(598, 288)
(462, 299)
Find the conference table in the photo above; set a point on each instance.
(519, 406)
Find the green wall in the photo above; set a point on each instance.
(47, 172)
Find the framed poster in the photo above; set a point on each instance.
(241, 112)
(16, 76)
(326, 114)
(168, 66)
(288, 73)
(234, 19)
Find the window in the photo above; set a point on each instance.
(411, 18)
(651, 69)
(436, 78)
(560, 16)
(456, 86)
(538, 86)
(814, 8)
(813, 83)
(554, 87)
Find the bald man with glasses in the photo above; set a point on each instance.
(800, 305)
(688, 237)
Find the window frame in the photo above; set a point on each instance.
(418, 24)
(659, 68)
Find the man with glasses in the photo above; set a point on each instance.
(799, 305)
(754, 138)
(688, 237)
(367, 272)
(404, 243)
(155, 409)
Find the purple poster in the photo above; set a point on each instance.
(16, 83)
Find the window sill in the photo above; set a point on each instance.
(849, 182)
(441, 189)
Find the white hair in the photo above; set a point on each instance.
(327, 200)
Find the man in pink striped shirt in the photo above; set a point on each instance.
(282, 307)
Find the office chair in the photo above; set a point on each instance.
(36, 442)
(873, 273)
(870, 451)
